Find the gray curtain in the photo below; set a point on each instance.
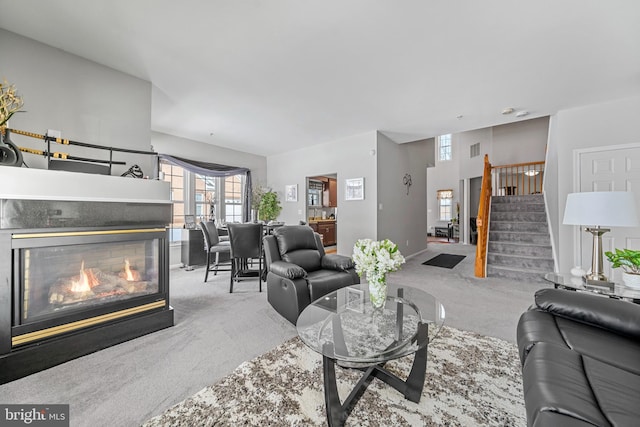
(248, 190)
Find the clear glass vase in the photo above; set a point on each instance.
(377, 291)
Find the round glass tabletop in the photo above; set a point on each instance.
(344, 326)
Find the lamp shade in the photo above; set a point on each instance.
(601, 208)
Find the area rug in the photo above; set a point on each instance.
(471, 380)
(445, 260)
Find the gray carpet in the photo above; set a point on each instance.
(216, 331)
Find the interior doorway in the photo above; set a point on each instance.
(322, 208)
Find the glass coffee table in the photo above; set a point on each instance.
(345, 328)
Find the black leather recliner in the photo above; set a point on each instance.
(299, 271)
(580, 357)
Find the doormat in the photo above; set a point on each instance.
(445, 260)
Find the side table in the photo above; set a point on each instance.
(574, 283)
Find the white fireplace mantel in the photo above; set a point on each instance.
(42, 184)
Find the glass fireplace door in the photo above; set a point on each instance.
(82, 274)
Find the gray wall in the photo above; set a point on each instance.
(472, 167)
(606, 124)
(519, 142)
(350, 157)
(84, 100)
(187, 148)
(402, 217)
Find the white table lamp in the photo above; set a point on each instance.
(598, 209)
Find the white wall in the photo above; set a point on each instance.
(347, 158)
(84, 100)
(445, 175)
(403, 218)
(550, 186)
(612, 123)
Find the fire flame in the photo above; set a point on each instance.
(85, 282)
(129, 274)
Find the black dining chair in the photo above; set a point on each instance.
(246, 248)
(213, 245)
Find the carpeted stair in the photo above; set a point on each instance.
(519, 242)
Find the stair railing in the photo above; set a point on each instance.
(518, 179)
(482, 221)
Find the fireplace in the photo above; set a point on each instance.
(79, 276)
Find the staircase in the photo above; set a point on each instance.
(519, 245)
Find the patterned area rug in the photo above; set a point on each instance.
(471, 380)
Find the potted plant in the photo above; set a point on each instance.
(629, 261)
(269, 207)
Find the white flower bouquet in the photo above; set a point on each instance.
(376, 258)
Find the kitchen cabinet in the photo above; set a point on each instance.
(330, 193)
(326, 229)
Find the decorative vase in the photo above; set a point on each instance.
(631, 280)
(377, 291)
(10, 155)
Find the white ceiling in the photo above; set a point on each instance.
(269, 76)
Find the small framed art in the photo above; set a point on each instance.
(354, 189)
(291, 193)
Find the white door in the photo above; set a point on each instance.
(610, 169)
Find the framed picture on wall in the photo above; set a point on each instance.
(354, 189)
(291, 193)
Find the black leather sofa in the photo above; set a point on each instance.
(580, 357)
(300, 272)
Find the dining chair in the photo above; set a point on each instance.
(213, 245)
(246, 248)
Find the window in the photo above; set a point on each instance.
(233, 198)
(175, 176)
(205, 197)
(445, 202)
(444, 147)
(202, 197)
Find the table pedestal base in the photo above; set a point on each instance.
(411, 388)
